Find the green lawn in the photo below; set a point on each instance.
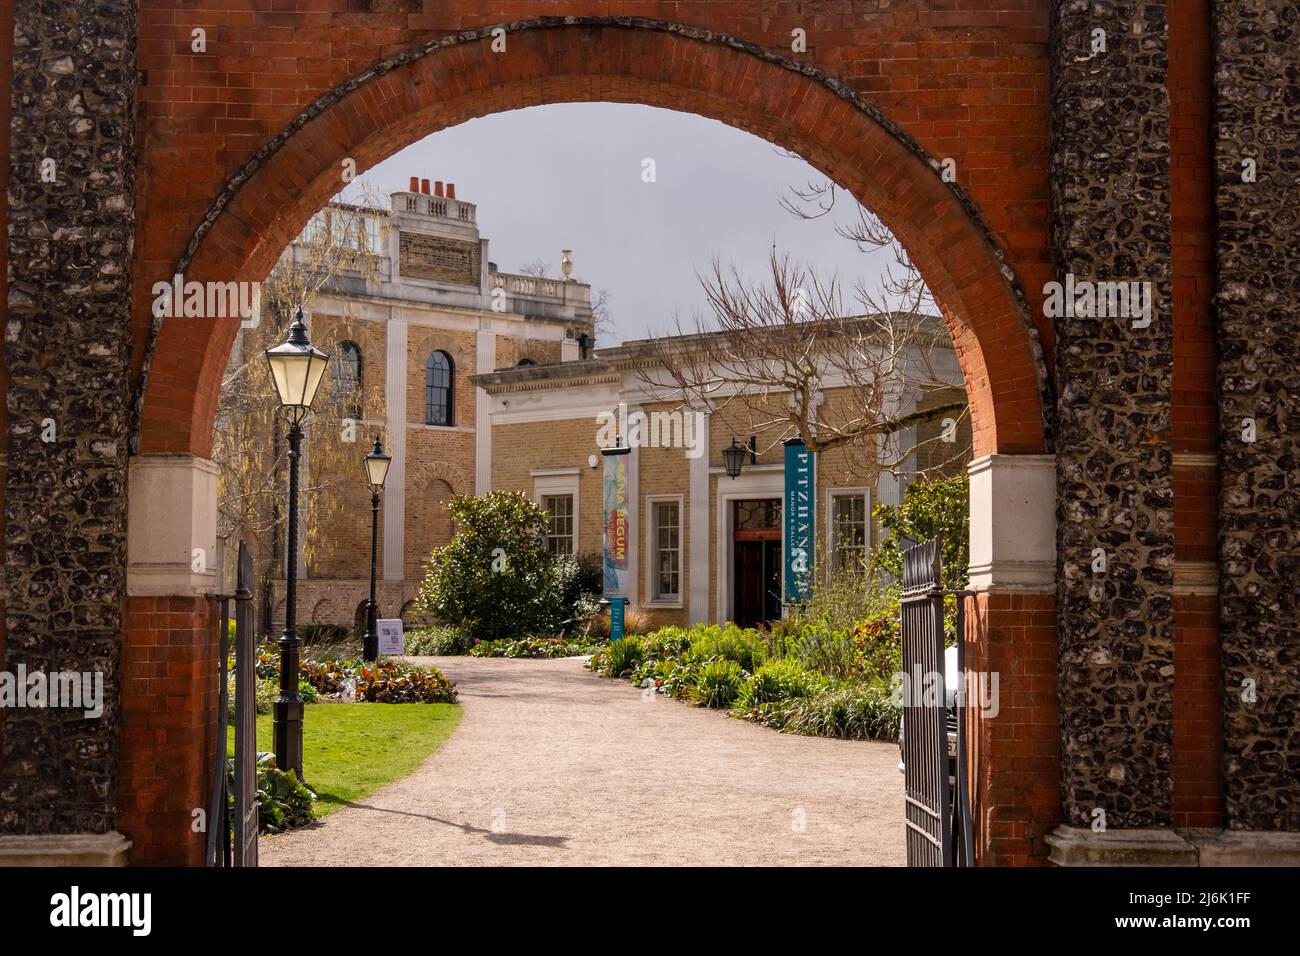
(351, 750)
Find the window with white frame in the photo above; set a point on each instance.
(666, 550)
(848, 530)
(559, 529)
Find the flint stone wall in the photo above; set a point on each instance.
(67, 349)
(1111, 210)
(1257, 116)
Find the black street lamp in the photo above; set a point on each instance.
(297, 368)
(733, 456)
(376, 471)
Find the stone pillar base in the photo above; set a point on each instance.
(1078, 846)
(1244, 847)
(1075, 846)
(64, 849)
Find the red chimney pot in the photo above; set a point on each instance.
(437, 188)
(415, 184)
(424, 186)
(451, 190)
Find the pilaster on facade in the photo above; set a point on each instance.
(698, 543)
(486, 362)
(395, 486)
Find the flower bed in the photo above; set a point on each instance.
(386, 681)
(811, 681)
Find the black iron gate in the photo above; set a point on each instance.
(925, 733)
(933, 736)
(232, 823)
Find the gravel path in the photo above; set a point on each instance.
(553, 765)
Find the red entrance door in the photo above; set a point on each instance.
(756, 571)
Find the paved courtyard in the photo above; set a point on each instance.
(553, 765)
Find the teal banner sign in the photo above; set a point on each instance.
(800, 516)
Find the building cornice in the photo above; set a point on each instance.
(537, 378)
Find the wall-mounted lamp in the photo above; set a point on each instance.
(733, 457)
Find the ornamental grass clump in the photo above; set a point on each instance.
(619, 658)
(717, 684)
(779, 680)
(852, 712)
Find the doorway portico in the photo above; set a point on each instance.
(764, 482)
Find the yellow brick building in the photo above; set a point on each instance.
(479, 380)
(704, 546)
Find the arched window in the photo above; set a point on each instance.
(439, 373)
(346, 380)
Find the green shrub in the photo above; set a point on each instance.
(741, 646)
(718, 683)
(307, 693)
(579, 580)
(853, 711)
(619, 658)
(668, 641)
(779, 680)
(496, 578)
(535, 647)
(878, 645)
(436, 642)
(267, 665)
(928, 508)
(680, 676)
(265, 691)
(283, 801)
(830, 652)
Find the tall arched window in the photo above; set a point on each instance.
(346, 380)
(439, 373)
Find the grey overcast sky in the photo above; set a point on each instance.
(569, 176)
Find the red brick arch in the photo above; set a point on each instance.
(406, 97)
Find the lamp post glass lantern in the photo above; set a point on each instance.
(376, 472)
(297, 368)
